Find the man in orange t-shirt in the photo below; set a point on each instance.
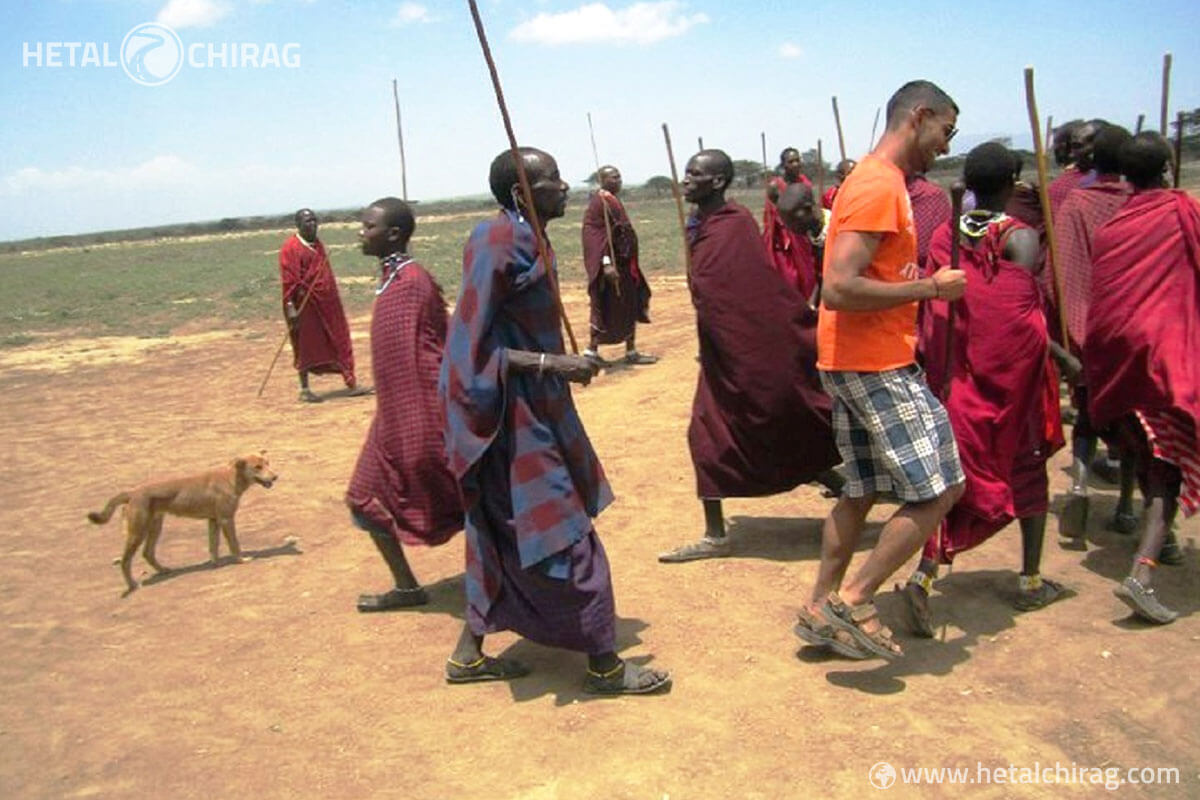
(892, 433)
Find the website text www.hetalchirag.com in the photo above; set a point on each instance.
(884, 775)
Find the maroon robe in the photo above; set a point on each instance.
(1003, 399)
(402, 484)
(930, 207)
(1066, 182)
(615, 313)
(760, 420)
(321, 337)
(1084, 210)
(791, 253)
(1143, 328)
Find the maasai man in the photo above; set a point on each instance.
(402, 492)
(930, 208)
(1085, 209)
(1002, 392)
(844, 168)
(892, 433)
(760, 422)
(791, 255)
(799, 212)
(312, 308)
(530, 480)
(1073, 152)
(618, 292)
(1139, 354)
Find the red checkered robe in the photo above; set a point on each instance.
(1084, 210)
(321, 337)
(792, 254)
(401, 484)
(1143, 328)
(1003, 399)
(930, 207)
(615, 312)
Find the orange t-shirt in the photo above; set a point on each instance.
(873, 199)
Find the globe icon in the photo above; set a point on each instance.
(151, 54)
(882, 775)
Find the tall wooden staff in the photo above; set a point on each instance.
(522, 177)
(837, 118)
(1044, 195)
(612, 253)
(687, 250)
(763, 137)
(1166, 94)
(700, 141)
(400, 136)
(874, 126)
(287, 334)
(1141, 121)
(1050, 131)
(957, 190)
(820, 172)
(1178, 148)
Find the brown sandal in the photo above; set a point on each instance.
(852, 619)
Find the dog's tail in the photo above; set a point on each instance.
(101, 517)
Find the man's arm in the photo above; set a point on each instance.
(846, 288)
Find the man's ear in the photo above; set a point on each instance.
(720, 182)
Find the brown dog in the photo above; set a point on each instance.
(211, 495)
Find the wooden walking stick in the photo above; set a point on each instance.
(612, 252)
(700, 141)
(763, 137)
(820, 173)
(288, 333)
(1141, 121)
(957, 190)
(1050, 132)
(1166, 94)
(1039, 152)
(1178, 149)
(874, 126)
(522, 177)
(687, 250)
(837, 118)
(400, 136)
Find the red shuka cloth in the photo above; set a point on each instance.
(829, 196)
(930, 207)
(792, 254)
(1003, 402)
(1084, 210)
(1143, 329)
(760, 420)
(615, 314)
(321, 338)
(402, 483)
(1067, 181)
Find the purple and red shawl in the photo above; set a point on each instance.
(555, 482)
(760, 420)
(1143, 328)
(321, 338)
(1003, 402)
(401, 483)
(615, 313)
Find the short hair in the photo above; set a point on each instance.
(503, 174)
(989, 168)
(396, 214)
(917, 93)
(1143, 159)
(1106, 148)
(722, 161)
(783, 153)
(296, 216)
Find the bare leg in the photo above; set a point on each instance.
(468, 664)
(393, 556)
(407, 591)
(715, 543)
(306, 394)
(839, 536)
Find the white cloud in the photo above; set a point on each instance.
(789, 50)
(180, 14)
(164, 170)
(640, 23)
(410, 14)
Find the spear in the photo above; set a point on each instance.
(612, 253)
(1043, 194)
(400, 136)
(522, 177)
(1166, 94)
(874, 125)
(837, 118)
(687, 252)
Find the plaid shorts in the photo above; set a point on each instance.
(893, 434)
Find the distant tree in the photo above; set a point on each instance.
(750, 173)
(659, 184)
(808, 165)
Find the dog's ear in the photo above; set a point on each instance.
(239, 465)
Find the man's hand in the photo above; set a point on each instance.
(575, 369)
(950, 284)
(609, 270)
(289, 310)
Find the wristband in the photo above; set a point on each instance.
(541, 364)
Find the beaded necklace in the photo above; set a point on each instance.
(405, 259)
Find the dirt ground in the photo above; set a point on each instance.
(261, 680)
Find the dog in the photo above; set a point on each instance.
(211, 495)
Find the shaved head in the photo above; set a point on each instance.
(1144, 160)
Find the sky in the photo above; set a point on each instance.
(130, 113)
